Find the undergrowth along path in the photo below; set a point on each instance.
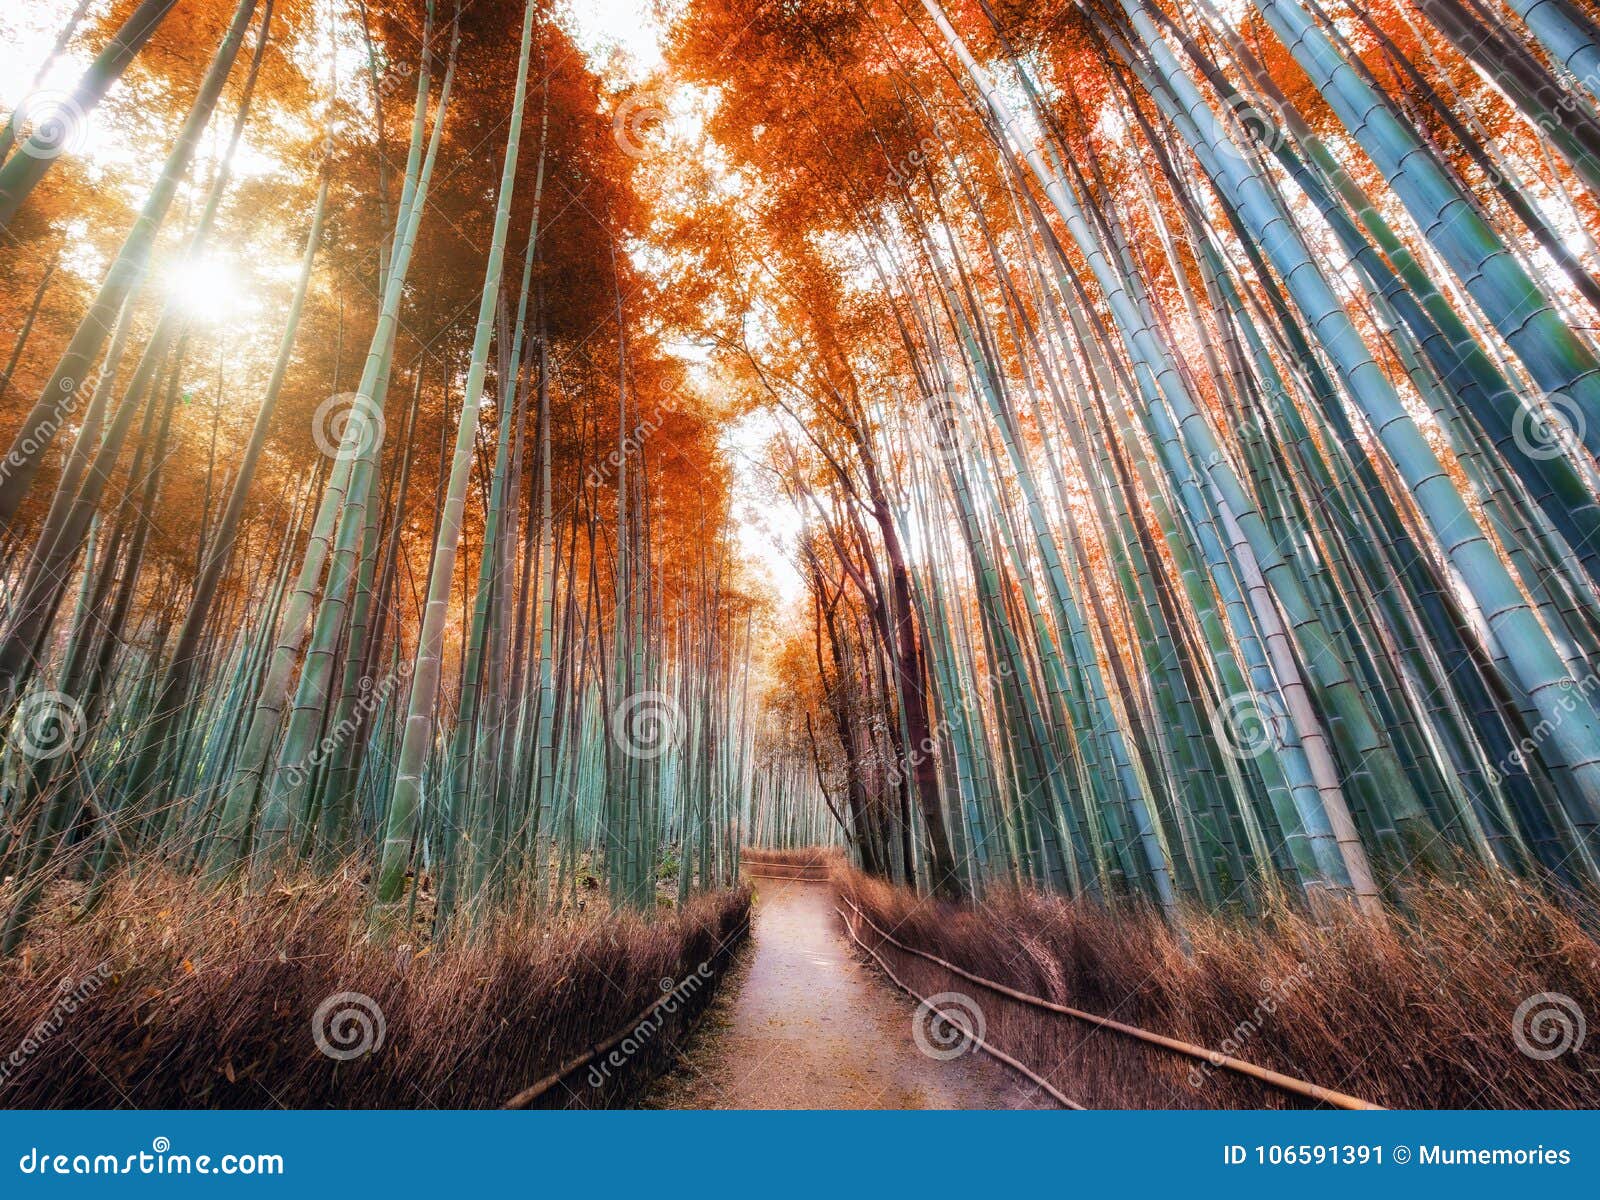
(801, 1023)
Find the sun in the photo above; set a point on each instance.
(210, 289)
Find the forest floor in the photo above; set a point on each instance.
(800, 1022)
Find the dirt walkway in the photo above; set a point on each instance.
(802, 1024)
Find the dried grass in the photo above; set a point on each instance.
(210, 996)
(805, 856)
(1419, 1015)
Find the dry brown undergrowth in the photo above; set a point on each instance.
(1423, 1015)
(173, 994)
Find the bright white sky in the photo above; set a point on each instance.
(630, 25)
(767, 525)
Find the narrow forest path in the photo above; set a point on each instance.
(803, 1024)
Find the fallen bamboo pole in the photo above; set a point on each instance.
(1277, 1079)
(526, 1097)
(971, 1036)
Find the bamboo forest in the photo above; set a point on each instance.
(799, 554)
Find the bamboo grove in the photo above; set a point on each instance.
(1192, 412)
(1188, 411)
(425, 573)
